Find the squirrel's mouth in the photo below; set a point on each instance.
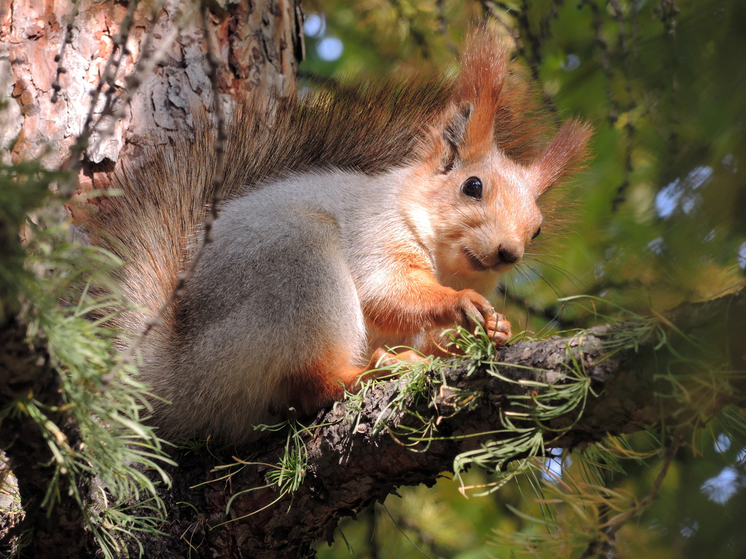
(474, 262)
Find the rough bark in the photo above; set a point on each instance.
(256, 43)
(347, 471)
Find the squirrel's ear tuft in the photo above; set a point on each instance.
(564, 155)
(484, 63)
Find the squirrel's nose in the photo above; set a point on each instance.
(508, 253)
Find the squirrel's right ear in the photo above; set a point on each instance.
(453, 133)
(467, 126)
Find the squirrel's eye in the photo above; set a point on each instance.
(536, 234)
(472, 188)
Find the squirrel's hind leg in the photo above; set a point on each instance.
(325, 381)
(319, 384)
(383, 358)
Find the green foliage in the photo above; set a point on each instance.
(45, 280)
(521, 436)
(23, 188)
(525, 424)
(286, 476)
(656, 219)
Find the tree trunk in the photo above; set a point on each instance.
(156, 83)
(119, 75)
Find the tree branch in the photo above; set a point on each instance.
(349, 465)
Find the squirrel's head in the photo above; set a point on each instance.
(482, 205)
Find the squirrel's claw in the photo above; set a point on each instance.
(498, 329)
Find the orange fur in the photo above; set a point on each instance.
(423, 304)
(317, 385)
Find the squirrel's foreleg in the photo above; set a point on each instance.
(435, 343)
(417, 303)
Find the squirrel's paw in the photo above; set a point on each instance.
(498, 329)
(468, 309)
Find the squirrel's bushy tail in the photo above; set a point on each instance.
(154, 222)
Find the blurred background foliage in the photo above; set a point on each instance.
(658, 218)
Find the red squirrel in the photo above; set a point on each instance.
(355, 220)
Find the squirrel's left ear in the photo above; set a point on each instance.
(564, 154)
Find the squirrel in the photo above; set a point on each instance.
(354, 220)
